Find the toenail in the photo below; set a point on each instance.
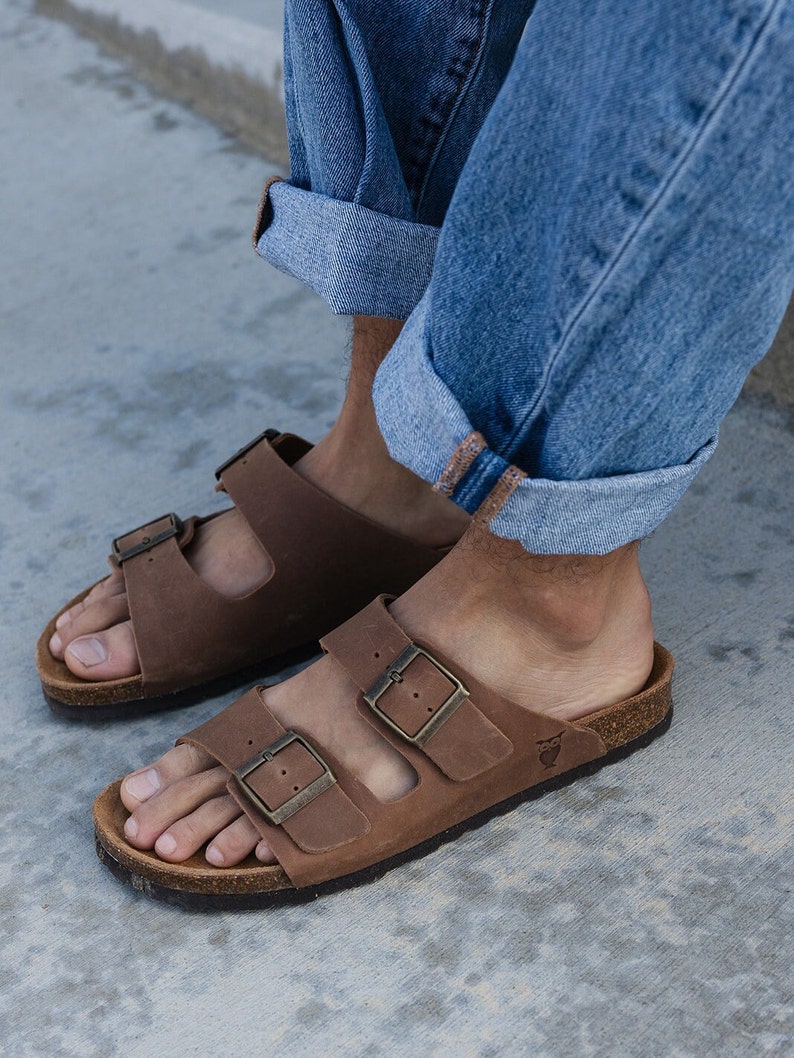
(63, 619)
(215, 856)
(144, 785)
(88, 651)
(131, 828)
(165, 844)
(56, 644)
(264, 854)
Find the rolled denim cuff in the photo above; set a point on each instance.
(359, 261)
(426, 430)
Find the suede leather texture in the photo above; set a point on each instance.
(327, 563)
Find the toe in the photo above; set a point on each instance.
(172, 804)
(187, 835)
(108, 655)
(178, 763)
(105, 589)
(139, 787)
(264, 853)
(104, 614)
(233, 844)
(179, 803)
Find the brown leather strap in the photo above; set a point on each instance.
(262, 483)
(275, 775)
(365, 829)
(327, 562)
(411, 692)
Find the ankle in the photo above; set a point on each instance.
(582, 599)
(357, 470)
(561, 634)
(574, 598)
(352, 463)
(352, 458)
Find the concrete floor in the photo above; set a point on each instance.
(640, 912)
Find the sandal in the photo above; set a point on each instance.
(475, 754)
(192, 641)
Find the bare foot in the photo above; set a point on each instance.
(564, 635)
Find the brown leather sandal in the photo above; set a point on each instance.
(475, 753)
(194, 642)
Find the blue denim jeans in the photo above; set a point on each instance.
(584, 211)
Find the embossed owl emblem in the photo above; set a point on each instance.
(549, 750)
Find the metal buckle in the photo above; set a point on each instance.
(148, 542)
(302, 798)
(269, 435)
(393, 674)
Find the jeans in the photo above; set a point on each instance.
(584, 211)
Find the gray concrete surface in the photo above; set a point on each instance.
(224, 59)
(644, 911)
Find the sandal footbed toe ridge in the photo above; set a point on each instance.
(475, 755)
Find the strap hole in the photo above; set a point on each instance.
(150, 559)
(416, 695)
(296, 788)
(377, 653)
(283, 771)
(250, 742)
(430, 708)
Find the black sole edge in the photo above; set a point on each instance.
(182, 699)
(200, 902)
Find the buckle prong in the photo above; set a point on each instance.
(393, 674)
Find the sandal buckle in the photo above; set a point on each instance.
(174, 529)
(393, 674)
(269, 435)
(277, 816)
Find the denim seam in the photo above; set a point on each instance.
(698, 133)
(430, 141)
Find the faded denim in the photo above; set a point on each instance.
(588, 222)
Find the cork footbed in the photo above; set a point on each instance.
(623, 727)
(60, 685)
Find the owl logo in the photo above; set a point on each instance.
(549, 750)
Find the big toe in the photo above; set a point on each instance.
(106, 655)
(87, 622)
